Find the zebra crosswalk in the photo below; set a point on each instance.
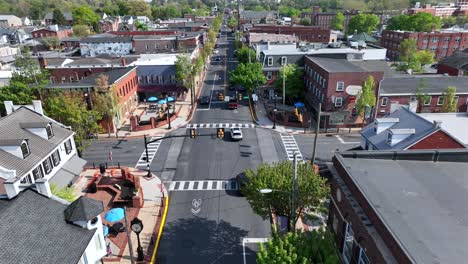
(290, 146)
(207, 185)
(152, 149)
(221, 125)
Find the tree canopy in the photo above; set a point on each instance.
(363, 23)
(301, 248)
(366, 97)
(420, 22)
(249, 75)
(246, 55)
(294, 80)
(58, 17)
(337, 22)
(84, 15)
(311, 189)
(106, 101)
(81, 30)
(450, 102)
(139, 8)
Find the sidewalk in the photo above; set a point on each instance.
(151, 214)
(265, 122)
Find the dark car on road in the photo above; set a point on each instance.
(204, 100)
(241, 180)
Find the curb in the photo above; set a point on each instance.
(161, 227)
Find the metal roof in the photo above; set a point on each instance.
(408, 85)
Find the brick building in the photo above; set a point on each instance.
(323, 19)
(385, 204)
(441, 10)
(70, 43)
(106, 45)
(108, 24)
(143, 33)
(65, 70)
(162, 44)
(443, 43)
(406, 130)
(256, 17)
(335, 83)
(402, 91)
(52, 31)
(305, 33)
(125, 83)
(454, 65)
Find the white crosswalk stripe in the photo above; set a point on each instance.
(152, 149)
(207, 185)
(290, 146)
(220, 125)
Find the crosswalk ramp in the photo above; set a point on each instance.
(290, 145)
(221, 125)
(207, 185)
(152, 149)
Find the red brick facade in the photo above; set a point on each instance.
(144, 33)
(42, 33)
(385, 101)
(442, 69)
(305, 33)
(323, 19)
(159, 45)
(438, 140)
(443, 44)
(108, 25)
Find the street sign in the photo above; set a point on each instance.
(245, 97)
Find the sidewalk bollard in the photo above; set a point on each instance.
(94, 166)
(106, 165)
(118, 164)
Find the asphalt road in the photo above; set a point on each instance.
(209, 225)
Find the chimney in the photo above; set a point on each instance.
(37, 106)
(8, 107)
(124, 62)
(43, 187)
(437, 123)
(12, 188)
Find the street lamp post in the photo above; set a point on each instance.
(168, 114)
(274, 114)
(137, 226)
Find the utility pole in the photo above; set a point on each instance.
(147, 157)
(317, 128)
(284, 85)
(293, 194)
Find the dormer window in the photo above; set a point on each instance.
(25, 149)
(389, 138)
(49, 131)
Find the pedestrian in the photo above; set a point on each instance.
(109, 250)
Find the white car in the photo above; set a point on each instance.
(236, 133)
(215, 51)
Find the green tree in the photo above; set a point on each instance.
(58, 17)
(246, 55)
(420, 22)
(249, 75)
(81, 30)
(366, 98)
(450, 102)
(408, 48)
(232, 22)
(66, 193)
(106, 101)
(123, 7)
(310, 190)
(363, 23)
(337, 22)
(424, 57)
(305, 21)
(317, 246)
(71, 110)
(51, 42)
(141, 26)
(18, 92)
(421, 94)
(449, 21)
(84, 15)
(184, 74)
(139, 8)
(294, 80)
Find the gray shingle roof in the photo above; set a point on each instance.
(83, 209)
(10, 129)
(34, 124)
(336, 65)
(458, 60)
(34, 231)
(248, 14)
(67, 15)
(407, 120)
(421, 202)
(435, 85)
(376, 65)
(99, 39)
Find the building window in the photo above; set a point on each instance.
(63, 79)
(338, 101)
(156, 46)
(284, 60)
(412, 98)
(26, 179)
(68, 146)
(270, 61)
(37, 173)
(457, 39)
(427, 101)
(52, 79)
(455, 99)
(425, 40)
(363, 259)
(389, 138)
(56, 158)
(339, 86)
(348, 244)
(47, 166)
(440, 100)
(384, 101)
(269, 75)
(447, 39)
(25, 149)
(49, 131)
(435, 39)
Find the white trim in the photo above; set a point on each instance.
(438, 100)
(336, 102)
(268, 61)
(382, 101)
(337, 85)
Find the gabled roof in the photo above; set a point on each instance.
(67, 15)
(10, 129)
(458, 60)
(408, 85)
(407, 120)
(83, 209)
(454, 123)
(113, 38)
(34, 231)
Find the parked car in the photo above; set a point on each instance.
(236, 134)
(204, 100)
(232, 104)
(215, 51)
(241, 180)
